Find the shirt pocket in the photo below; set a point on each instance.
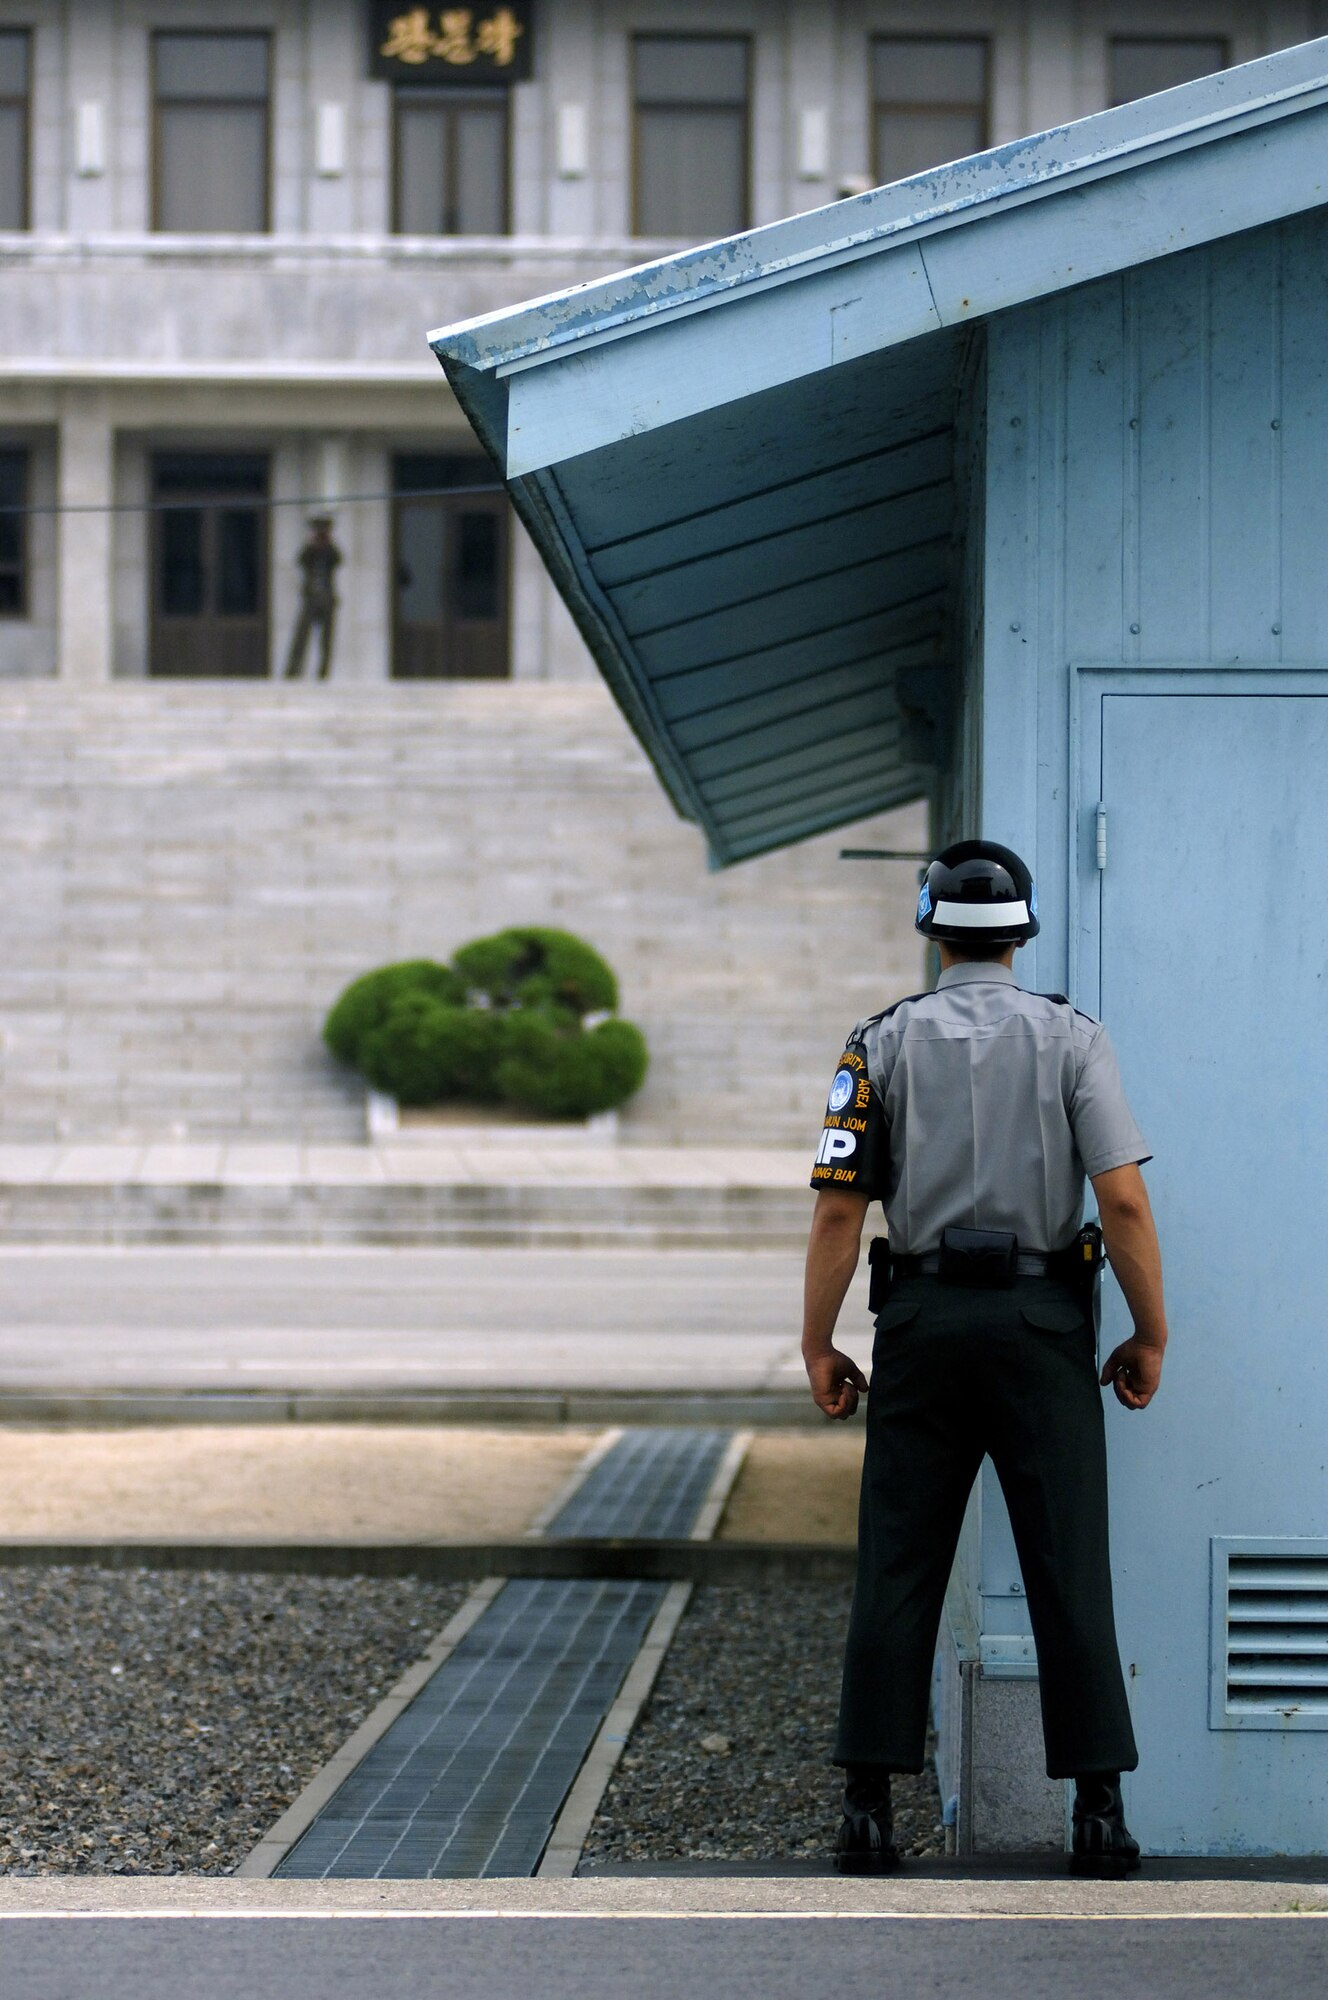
(1054, 1316)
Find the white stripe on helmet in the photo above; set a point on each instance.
(981, 916)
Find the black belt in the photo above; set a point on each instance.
(1028, 1264)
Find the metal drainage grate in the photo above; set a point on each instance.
(1270, 1634)
(469, 1781)
(650, 1487)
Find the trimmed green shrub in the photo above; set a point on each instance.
(503, 1024)
(569, 1073)
(538, 968)
(366, 1002)
(425, 1052)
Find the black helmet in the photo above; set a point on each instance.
(978, 892)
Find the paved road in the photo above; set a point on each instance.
(425, 1319)
(578, 1958)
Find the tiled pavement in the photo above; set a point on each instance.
(469, 1780)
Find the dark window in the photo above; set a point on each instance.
(13, 534)
(210, 152)
(929, 102)
(15, 69)
(690, 177)
(209, 602)
(451, 163)
(1143, 65)
(451, 557)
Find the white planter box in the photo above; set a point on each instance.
(386, 1123)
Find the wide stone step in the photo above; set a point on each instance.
(492, 1213)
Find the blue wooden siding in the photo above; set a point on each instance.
(1158, 492)
(1157, 511)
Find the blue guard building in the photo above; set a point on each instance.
(1008, 486)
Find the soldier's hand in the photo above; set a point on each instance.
(836, 1383)
(1134, 1371)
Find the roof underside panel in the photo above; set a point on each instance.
(737, 460)
(775, 576)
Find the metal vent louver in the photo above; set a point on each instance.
(1270, 1634)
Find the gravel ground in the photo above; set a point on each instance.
(159, 1723)
(730, 1759)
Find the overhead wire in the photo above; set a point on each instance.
(327, 503)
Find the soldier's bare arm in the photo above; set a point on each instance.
(1134, 1369)
(832, 1258)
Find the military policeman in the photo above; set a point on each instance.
(974, 1113)
(319, 561)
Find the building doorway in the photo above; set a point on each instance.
(1235, 1671)
(450, 565)
(209, 565)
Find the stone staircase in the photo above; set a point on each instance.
(192, 873)
(500, 1196)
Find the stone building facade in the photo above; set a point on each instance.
(224, 231)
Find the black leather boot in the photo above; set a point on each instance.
(865, 1844)
(1102, 1844)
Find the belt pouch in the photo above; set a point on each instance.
(985, 1260)
(878, 1285)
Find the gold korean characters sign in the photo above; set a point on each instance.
(456, 45)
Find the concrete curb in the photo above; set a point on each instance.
(663, 1561)
(573, 1824)
(300, 1815)
(721, 1486)
(584, 1409)
(662, 1898)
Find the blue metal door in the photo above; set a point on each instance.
(1202, 894)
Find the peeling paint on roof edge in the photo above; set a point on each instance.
(947, 197)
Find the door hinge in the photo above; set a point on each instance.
(1100, 829)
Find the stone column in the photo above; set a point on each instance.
(84, 613)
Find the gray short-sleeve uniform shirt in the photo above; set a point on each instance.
(979, 1105)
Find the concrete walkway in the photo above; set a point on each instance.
(487, 1335)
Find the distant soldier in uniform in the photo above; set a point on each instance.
(319, 559)
(974, 1114)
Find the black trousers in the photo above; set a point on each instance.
(956, 1376)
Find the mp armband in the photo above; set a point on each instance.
(843, 1154)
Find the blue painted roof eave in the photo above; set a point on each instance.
(962, 195)
(498, 362)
